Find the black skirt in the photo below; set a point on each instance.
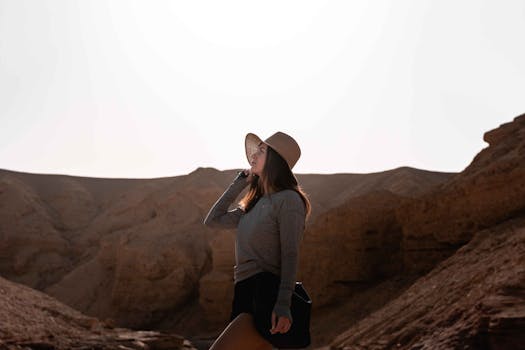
(257, 295)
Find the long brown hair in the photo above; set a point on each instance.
(277, 176)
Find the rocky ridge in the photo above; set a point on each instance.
(474, 225)
(139, 254)
(136, 251)
(382, 234)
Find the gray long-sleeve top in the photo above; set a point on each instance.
(268, 237)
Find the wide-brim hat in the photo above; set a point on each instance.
(281, 143)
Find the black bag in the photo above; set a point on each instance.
(299, 334)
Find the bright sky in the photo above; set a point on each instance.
(158, 88)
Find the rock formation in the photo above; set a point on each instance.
(136, 252)
(352, 246)
(32, 320)
(473, 300)
(490, 190)
(382, 234)
(327, 192)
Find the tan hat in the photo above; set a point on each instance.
(282, 143)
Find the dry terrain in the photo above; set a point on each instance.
(404, 258)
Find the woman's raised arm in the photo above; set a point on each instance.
(219, 216)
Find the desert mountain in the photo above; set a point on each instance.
(136, 251)
(472, 223)
(382, 233)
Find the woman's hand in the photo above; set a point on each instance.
(280, 326)
(247, 174)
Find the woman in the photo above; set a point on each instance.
(270, 222)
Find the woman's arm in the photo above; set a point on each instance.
(219, 216)
(291, 226)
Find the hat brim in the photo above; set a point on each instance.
(251, 145)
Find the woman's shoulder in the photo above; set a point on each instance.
(288, 197)
(288, 193)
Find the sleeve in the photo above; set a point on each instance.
(219, 216)
(291, 226)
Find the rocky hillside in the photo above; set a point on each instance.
(473, 300)
(473, 223)
(136, 251)
(32, 320)
(397, 250)
(380, 234)
(489, 191)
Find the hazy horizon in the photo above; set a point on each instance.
(204, 167)
(129, 89)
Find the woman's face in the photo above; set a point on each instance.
(258, 160)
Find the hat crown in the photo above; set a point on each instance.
(286, 146)
(282, 143)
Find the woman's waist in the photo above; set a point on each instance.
(247, 269)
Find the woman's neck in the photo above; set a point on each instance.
(267, 189)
